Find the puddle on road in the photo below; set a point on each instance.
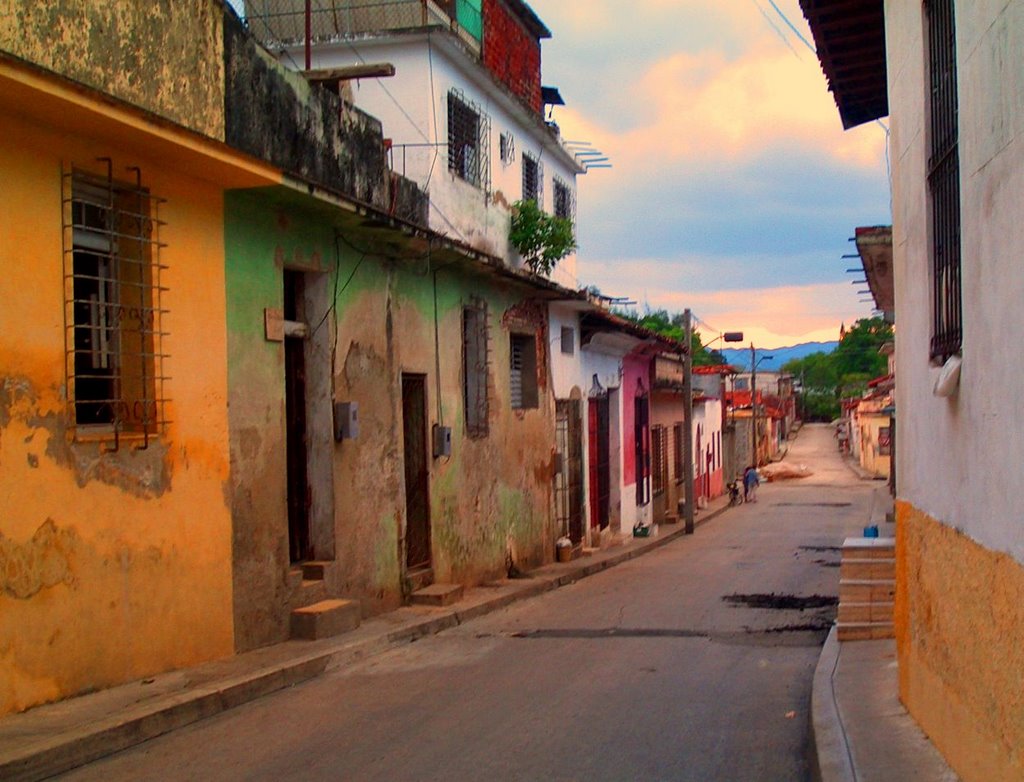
(812, 504)
(821, 548)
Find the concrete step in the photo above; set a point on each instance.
(864, 631)
(869, 548)
(325, 619)
(866, 590)
(418, 579)
(438, 595)
(316, 571)
(873, 569)
(865, 612)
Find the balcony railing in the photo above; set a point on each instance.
(279, 23)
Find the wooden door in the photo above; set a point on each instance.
(417, 472)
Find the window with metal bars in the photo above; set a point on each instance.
(533, 179)
(113, 305)
(475, 364)
(642, 445)
(523, 371)
(659, 459)
(562, 199)
(677, 451)
(944, 181)
(468, 140)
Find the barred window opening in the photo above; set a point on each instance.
(533, 179)
(523, 371)
(113, 305)
(944, 181)
(563, 205)
(468, 141)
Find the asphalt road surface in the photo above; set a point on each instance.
(693, 662)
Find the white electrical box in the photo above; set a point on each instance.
(346, 421)
(442, 441)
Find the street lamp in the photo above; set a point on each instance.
(729, 336)
(754, 361)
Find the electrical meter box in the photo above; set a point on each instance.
(346, 421)
(442, 440)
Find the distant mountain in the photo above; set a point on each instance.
(740, 357)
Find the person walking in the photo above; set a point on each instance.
(751, 480)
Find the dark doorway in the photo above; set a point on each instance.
(642, 443)
(295, 423)
(417, 472)
(569, 479)
(600, 460)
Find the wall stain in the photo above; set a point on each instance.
(26, 569)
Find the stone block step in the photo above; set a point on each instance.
(418, 579)
(325, 619)
(869, 548)
(867, 569)
(438, 595)
(309, 592)
(864, 631)
(865, 612)
(866, 590)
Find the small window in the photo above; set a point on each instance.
(563, 200)
(523, 371)
(507, 147)
(533, 179)
(468, 140)
(568, 340)
(111, 257)
(474, 368)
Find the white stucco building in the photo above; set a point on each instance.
(464, 112)
(950, 74)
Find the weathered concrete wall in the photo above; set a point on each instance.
(113, 566)
(490, 499)
(165, 56)
(958, 611)
(276, 115)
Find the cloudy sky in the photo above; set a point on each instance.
(734, 188)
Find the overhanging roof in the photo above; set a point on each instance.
(874, 245)
(850, 39)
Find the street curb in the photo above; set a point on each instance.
(832, 761)
(142, 722)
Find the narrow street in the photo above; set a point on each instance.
(693, 662)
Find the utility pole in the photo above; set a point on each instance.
(753, 405)
(688, 423)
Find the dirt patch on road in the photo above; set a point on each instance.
(782, 602)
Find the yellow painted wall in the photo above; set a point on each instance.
(166, 56)
(871, 459)
(112, 567)
(960, 636)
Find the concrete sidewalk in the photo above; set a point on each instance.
(860, 729)
(57, 737)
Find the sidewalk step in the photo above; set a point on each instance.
(438, 595)
(418, 579)
(325, 619)
(870, 569)
(865, 612)
(869, 548)
(864, 631)
(315, 571)
(881, 590)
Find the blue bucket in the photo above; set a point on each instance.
(871, 532)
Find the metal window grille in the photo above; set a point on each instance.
(523, 371)
(659, 460)
(113, 305)
(677, 451)
(469, 131)
(563, 206)
(944, 181)
(533, 179)
(475, 363)
(507, 148)
(569, 477)
(642, 444)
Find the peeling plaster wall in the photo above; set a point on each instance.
(491, 499)
(112, 566)
(165, 56)
(276, 115)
